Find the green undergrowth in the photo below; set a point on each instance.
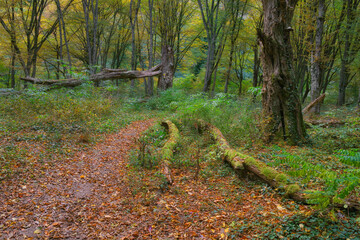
(148, 155)
(315, 226)
(58, 122)
(237, 118)
(193, 153)
(331, 177)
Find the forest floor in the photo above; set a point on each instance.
(96, 194)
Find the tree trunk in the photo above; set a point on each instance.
(64, 33)
(344, 71)
(256, 66)
(12, 68)
(280, 100)
(344, 75)
(316, 69)
(228, 72)
(150, 86)
(214, 83)
(209, 65)
(167, 62)
(133, 20)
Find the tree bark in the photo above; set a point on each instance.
(346, 59)
(167, 62)
(209, 65)
(150, 86)
(256, 66)
(280, 100)
(133, 20)
(12, 67)
(316, 58)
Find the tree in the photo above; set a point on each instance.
(350, 49)
(316, 66)
(34, 31)
(150, 85)
(214, 23)
(91, 10)
(62, 31)
(280, 100)
(235, 9)
(173, 16)
(133, 15)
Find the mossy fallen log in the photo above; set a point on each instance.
(241, 162)
(279, 181)
(227, 153)
(167, 151)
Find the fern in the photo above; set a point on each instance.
(350, 157)
(336, 185)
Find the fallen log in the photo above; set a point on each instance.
(105, 74)
(109, 74)
(326, 123)
(313, 103)
(227, 153)
(72, 82)
(167, 151)
(8, 91)
(275, 179)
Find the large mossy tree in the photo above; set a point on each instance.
(280, 100)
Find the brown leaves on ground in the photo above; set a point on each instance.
(96, 195)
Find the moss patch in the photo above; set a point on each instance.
(281, 178)
(291, 189)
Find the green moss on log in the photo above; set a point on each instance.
(281, 178)
(174, 135)
(291, 189)
(227, 153)
(269, 173)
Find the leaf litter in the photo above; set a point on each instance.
(95, 194)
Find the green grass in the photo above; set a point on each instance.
(59, 122)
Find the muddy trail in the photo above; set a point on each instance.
(97, 195)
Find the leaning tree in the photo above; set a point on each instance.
(280, 100)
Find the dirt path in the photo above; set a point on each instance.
(97, 195)
(79, 198)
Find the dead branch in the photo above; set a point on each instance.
(313, 104)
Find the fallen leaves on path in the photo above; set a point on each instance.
(91, 196)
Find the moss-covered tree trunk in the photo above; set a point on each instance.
(281, 103)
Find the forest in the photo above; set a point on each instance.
(179, 119)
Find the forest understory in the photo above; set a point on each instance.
(74, 170)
